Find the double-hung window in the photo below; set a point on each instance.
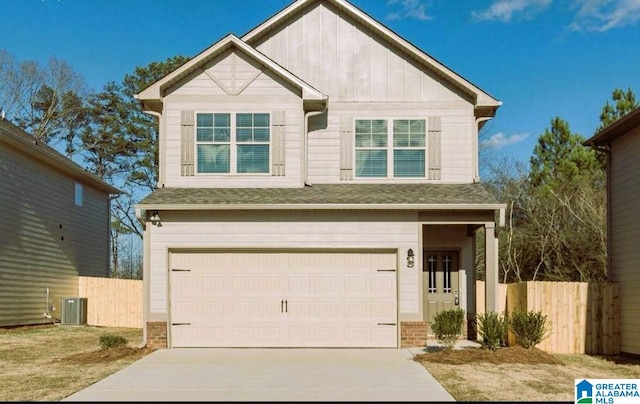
(390, 148)
(232, 143)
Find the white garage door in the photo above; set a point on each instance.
(283, 299)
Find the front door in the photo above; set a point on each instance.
(439, 282)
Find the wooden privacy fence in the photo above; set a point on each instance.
(582, 317)
(112, 302)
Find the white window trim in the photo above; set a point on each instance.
(78, 194)
(390, 148)
(233, 145)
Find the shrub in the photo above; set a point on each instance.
(529, 327)
(447, 326)
(493, 328)
(112, 341)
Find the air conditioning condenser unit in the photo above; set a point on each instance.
(74, 310)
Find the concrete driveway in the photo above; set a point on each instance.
(216, 374)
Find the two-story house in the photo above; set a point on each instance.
(318, 187)
(621, 143)
(54, 228)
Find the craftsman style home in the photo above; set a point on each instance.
(318, 187)
(621, 143)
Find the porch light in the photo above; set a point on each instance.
(410, 258)
(155, 217)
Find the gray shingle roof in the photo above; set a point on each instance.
(326, 194)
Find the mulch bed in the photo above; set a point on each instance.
(514, 354)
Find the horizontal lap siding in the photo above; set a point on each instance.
(625, 225)
(284, 230)
(281, 100)
(457, 146)
(45, 240)
(456, 140)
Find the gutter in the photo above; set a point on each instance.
(327, 206)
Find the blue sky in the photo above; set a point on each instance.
(541, 58)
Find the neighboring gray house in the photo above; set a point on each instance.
(54, 227)
(621, 142)
(318, 187)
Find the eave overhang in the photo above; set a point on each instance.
(615, 130)
(24, 142)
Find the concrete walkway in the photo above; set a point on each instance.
(227, 374)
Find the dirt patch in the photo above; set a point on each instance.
(105, 355)
(511, 355)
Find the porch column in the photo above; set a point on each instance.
(491, 267)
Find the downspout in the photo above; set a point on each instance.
(305, 140)
(160, 182)
(140, 215)
(476, 151)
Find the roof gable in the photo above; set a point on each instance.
(485, 104)
(158, 89)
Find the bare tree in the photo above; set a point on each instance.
(44, 101)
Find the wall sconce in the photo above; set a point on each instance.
(155, 217)
(411, 259)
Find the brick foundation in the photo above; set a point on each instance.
(413, 334)
(156, 335)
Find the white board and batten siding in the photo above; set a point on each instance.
(625, 228)
(232, 84)
(388, 231)
(46, 241)
(347, 61)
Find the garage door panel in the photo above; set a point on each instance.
(355, 309)
(324, 285)
(383, 310)
(284, 299)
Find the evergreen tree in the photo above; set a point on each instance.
(559, 157)
(623, 103)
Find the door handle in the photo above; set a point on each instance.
(286, 309)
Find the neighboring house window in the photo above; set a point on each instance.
(233, 143)
(402, 139)
(78, 194)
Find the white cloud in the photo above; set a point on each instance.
(590, 15)
(603, 15)
(500, 140)
(408, 9)
(505, 10)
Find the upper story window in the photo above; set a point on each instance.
(390, 148)
(232, 142)
(78, 194)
